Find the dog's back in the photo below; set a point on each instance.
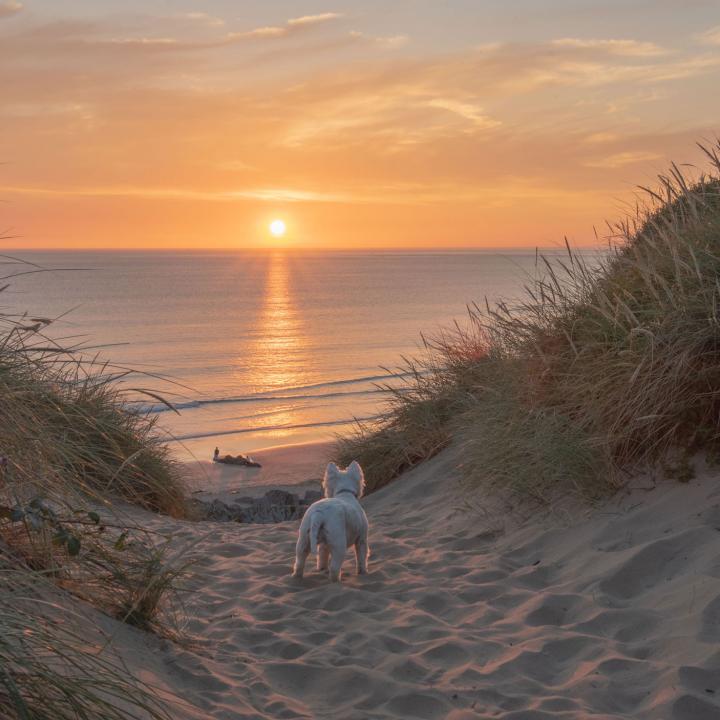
(333, 519)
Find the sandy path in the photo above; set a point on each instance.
(617, 616)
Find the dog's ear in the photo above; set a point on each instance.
(332, 474)
(356, 473)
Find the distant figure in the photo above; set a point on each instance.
(217, 453)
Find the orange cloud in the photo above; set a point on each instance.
(622, 159)
(151, 133)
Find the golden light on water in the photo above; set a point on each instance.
(279, 353)
(277, 228)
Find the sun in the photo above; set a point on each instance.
(277, 228)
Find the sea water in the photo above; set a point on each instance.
(260, 348)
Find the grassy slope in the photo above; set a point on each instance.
(600, 367)
(69, 450)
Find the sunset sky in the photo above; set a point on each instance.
(195, 123)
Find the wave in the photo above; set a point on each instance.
(348, 381)
(264, 397)
(271, 428)
(159, 408)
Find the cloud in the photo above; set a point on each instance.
(710, 37)
(396, 116)
(263, 194)
(623, 48)
(203, 19)
(290, 27)
(393, 41)
(402, 193)
(466, 110)
(585, 64)
(143, 41)
(262, 32)
(622, 159)
(399, 101)
(599, 138)
(313, 19)
(387, 41)
(9, 8)
(101, 109)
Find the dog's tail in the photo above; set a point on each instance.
(316, 522)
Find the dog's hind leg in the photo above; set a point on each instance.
(361, 556)
(337, 555)
(302, 550)
(323, 556)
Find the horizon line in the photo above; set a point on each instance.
(254, 248)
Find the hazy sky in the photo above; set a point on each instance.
(166, 123)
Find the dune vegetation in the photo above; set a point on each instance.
(72, 456)
(608, 363)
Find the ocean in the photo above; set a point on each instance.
(258, 348)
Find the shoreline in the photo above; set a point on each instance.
(293, 467)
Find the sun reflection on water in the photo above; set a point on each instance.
(278, 357)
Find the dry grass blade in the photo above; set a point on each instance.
(50, 669)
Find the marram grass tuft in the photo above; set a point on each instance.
(607, 362)
(72, 455)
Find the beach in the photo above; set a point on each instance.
(471, 248)
(471, 609)
(283, 467)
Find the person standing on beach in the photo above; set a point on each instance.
(216, 454)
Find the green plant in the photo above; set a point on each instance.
(122, 569)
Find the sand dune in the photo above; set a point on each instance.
(614, 615)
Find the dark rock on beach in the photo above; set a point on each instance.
(274, 506)
(240, 460)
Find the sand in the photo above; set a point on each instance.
(606, 613)
(287, 467)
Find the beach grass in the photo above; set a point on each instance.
(64, 418)
(608, 362)
(74, 456)
(51, 668)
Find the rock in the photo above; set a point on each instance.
(240, 460)
(280, 497)
(215, 510)
(274, 506)
(311, 496)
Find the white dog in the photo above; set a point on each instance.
(332, 525)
